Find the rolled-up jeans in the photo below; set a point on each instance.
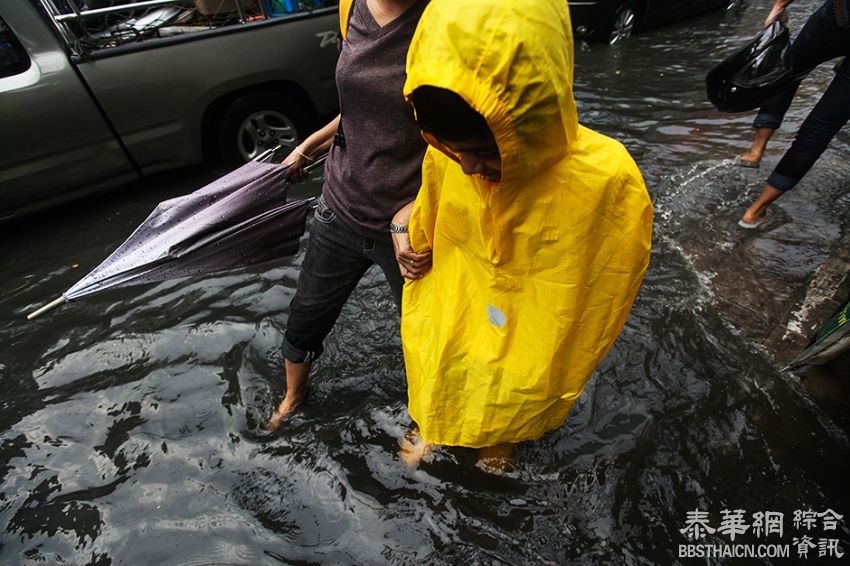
(828, 116)
(820, 40)
(337, 257)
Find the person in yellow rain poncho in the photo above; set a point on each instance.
(540, 228)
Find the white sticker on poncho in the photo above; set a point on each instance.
(496, 316)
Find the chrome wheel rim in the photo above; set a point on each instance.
(263, 130)
(624, 25)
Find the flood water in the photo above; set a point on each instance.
(127, 429)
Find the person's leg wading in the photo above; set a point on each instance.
(820, 40)
(828, 116)
(333, 265)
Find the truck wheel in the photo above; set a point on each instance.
(622, 23)
(257, 121)
(733, 6)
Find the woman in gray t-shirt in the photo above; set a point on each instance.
(372, 171)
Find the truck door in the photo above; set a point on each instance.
(54, 141)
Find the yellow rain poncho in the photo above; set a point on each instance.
(533, 277)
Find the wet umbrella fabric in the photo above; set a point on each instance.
(238, 220)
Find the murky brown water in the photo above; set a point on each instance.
(128, 418)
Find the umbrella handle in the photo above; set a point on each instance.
(267, 154)
(48, 307)
(319, 160)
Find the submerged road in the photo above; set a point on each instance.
(127, 429)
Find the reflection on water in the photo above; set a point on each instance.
(128, 418)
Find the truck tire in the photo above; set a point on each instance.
(257, 121)
(733, 6)
(623, 23)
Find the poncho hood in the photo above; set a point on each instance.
(512, 62)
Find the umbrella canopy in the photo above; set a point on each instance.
(238, 220)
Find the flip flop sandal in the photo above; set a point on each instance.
(753, 225)
(747, 164)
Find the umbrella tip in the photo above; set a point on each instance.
(48, 307)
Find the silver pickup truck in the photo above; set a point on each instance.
(95, 93)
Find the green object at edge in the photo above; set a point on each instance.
(833, 338)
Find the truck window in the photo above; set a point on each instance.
(92, 25)
(13, 57)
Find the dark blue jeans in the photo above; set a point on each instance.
(336, 259)
(821, 39)
(828, 116)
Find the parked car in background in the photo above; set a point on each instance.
(615, 20)
(95, 94)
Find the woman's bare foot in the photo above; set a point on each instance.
(413, 449)
(296, 392)
(287, 406)
(497, 459)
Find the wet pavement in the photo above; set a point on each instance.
(127, 430)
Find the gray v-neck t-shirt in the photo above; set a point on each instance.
(378, 170)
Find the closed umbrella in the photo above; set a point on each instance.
(238, 220)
